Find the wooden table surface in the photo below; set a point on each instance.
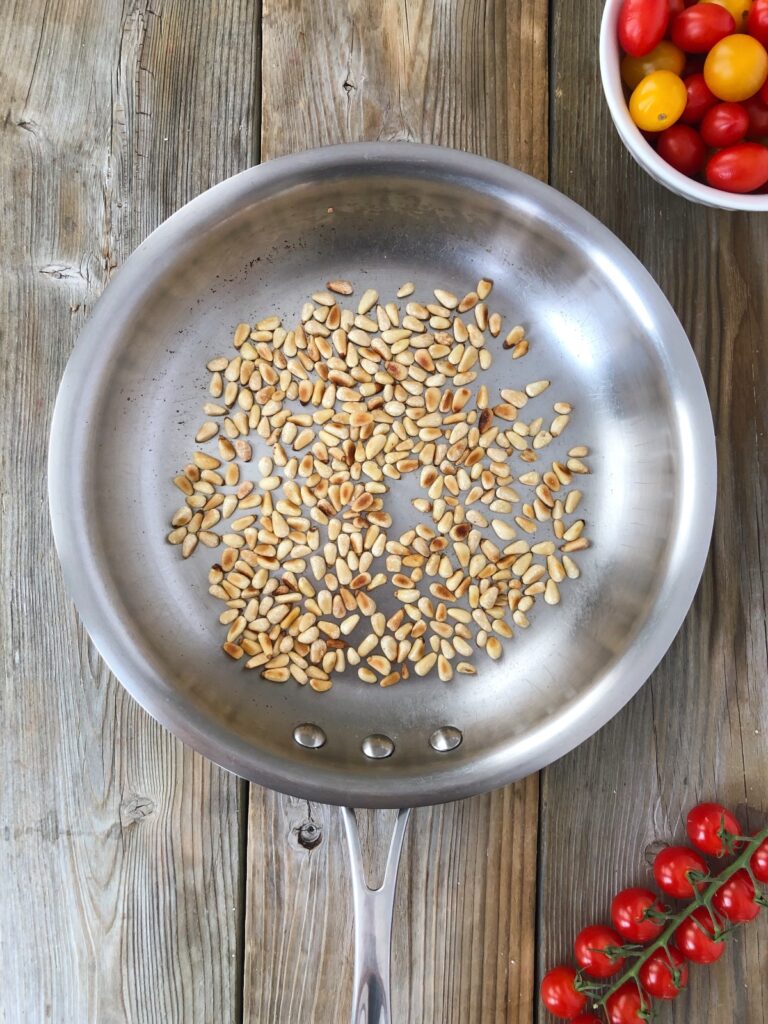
(140, 883)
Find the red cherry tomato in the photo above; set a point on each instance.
(740, 168)
(675, 6)
(589, 1019)
(674, 865)
(759, 862)
(710, 825)
(757, 111)
(627, 1005)
(700, 99)
(724, 124)
(736, 899)
(757, 21)
(681, 146)
(763, 94)
(665, 976)
(593, 950)
(633, 913)
(642, 25)
(559, 995)
(695, 938)
(698, 28)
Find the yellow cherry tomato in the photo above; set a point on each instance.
(736, 68)
(658, 101)
(664, 57)
(739, 9)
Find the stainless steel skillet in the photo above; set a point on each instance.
(381, 214)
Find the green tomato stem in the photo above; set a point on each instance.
(702, 899)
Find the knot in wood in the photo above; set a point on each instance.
(135, 808)
(653, 849)
(309, 835)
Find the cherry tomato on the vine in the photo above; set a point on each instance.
(710, 827)
(759, 862)
(658, 101)
(559, 995)
(741, 168)
(663, 975)
(699, 98)
(735, 900)
(674, 865)
(594, 950)
(664, 57)
(698, 28)
(724, 124)
(738, 9)
(757, 22)
(736, 68)
(695, 938)
(637, 915)
(628, 1005)
(757, 112)
(642, 25)
(682, 148)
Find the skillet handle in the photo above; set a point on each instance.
(373, 924)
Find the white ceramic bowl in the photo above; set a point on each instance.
(644, 154)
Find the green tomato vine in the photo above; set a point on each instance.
(702, 899)
(706, 887)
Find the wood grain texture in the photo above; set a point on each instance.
(464, 913)
(472, 75)
(120, 868)
(699, 729)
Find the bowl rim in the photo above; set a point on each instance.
(632, 138)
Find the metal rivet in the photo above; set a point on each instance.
(377, 746)
(446, 738)
(308, 735)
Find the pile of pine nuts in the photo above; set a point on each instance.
(346, 403)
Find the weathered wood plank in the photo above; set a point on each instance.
(472, 75)
(120, 867)
(700, 728)
(463, 934)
